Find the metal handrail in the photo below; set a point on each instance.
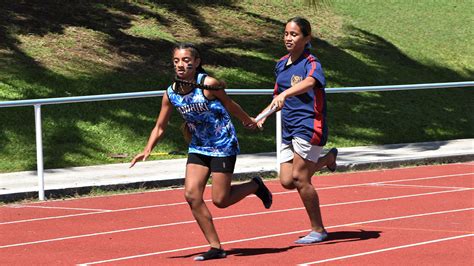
(159, 93)
(37, 103)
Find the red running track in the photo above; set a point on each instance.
(420, 215)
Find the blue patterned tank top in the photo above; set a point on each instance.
(213, 133)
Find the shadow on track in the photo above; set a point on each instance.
(333, 238)
(349, 236)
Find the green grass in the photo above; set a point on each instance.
(434, 33)
(95, 47)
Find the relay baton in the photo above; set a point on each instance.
(265, 114)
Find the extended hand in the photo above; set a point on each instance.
(278, 101)
(250, 125)
(141, 156)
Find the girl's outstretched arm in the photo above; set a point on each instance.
(158, 131)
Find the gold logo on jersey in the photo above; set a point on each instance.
(295, 80)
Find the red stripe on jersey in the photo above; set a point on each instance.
(284, 57)
(318, 123)
(313, 63)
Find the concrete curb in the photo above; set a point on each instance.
(178, 182)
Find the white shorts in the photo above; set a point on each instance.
(302, 147)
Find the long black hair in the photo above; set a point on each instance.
(303, 23)
(194, 52)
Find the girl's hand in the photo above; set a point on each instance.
(252, 124)
(260, 124)
(278, 101)
(262, 117)
(139, 157)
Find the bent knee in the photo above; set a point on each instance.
(220, 202)
(300, 183)
(288, 184)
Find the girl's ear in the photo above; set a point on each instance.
(198, 62)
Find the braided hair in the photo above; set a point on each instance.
(194, 52)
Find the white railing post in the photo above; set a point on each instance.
(39, 151)
(278, 140)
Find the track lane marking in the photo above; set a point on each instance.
(62, 208)
(184, 203)
(415, 229)
(388, 249)
(181, 188)
(217, 218)
(420, 186)
(275, 235)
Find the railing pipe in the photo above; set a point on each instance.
(403, 87)
(131, 95)
(37, 103)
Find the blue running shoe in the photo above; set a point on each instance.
(313, 237)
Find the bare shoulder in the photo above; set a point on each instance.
(211, 81)
(212, 94)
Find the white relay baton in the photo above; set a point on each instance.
(265, 114)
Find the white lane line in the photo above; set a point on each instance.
(218, 218)
(184, 203)
(388, 249)
(96, 212)
(64, 208)
(181, 188)
(394, 197)
(276, 235)
(399, 180)
(419, 186)
(381, 183)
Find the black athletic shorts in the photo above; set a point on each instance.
(215, 164)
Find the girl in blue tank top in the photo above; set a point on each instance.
(213, 146)
(207, 120)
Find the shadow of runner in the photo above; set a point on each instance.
(349, 236)
(245, 251)
(333, 238)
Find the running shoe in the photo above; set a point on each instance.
(263, 193)
(313, 237)
(213, 253)
(332, 167)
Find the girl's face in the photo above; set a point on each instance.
(294, 39)
(185, 63)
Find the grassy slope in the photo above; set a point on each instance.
(59, 50)
(401, 42)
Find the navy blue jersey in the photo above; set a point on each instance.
(303, 115)
(213, 133)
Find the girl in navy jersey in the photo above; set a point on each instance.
(299, 94)
(213, 145)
